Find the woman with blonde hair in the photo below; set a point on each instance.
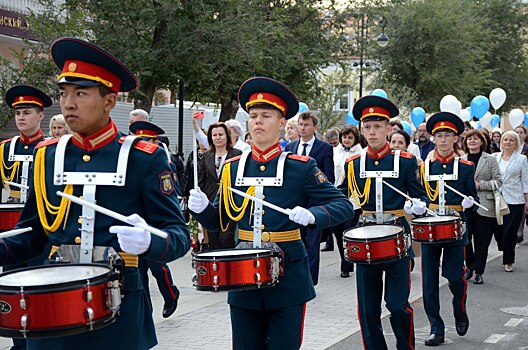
(58, 126)
(514, 170)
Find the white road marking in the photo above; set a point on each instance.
(494, 338)
(513, 322)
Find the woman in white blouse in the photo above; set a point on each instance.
(348, 146)
(514, 170)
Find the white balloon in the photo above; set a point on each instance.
(473, 124)
(497, 97)
(516, 117)
(450, 103)
(485, 120)
(465, 115)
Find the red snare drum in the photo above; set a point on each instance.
(435, 229)
(375, 244)
(56, 300)
(235, 269)
(9, 215)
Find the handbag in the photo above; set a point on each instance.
(501, 207)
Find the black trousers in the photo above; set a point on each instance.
(338, 232)
(480, 231)
(506, 235)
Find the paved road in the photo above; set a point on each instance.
(202, 319)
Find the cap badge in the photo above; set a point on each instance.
(72, 67)
(442, 123)
(21, 98)
(371, 110)
(260, 96)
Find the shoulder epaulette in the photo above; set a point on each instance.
(465, 161)
(47, 142)
(141, 145)
(404, 154)
(299, 157)
(5, 141)
(232, 159)
(352, 157)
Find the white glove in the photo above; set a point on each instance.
(198, 201)
(132, 240)
(468, 202)
(418, 207)
(301, 216)
(408, 207)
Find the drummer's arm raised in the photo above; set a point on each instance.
(415, 188)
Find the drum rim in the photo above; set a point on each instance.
(56, 287)
(421, 221)
(373, 239)
(266, 254)
(8, 207)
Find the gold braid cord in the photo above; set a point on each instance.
(431, 193)
(4, 168)
(43, 204)
(234, 212)
(354, 188)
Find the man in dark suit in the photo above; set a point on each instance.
(322, 152)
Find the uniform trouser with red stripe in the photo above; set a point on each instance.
(280, 329)
(369, 293)
(453, 270)
(162, 274)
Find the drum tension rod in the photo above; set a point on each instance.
(215, 280)
(90, 312)
(23, 322)
(89, 295)
(23, 305)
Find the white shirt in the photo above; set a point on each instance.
(308, 148)
(241, 145)
(219, 163)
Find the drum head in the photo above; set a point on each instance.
(223, 253)
(53, 274)
(434, 220)
(372, 232)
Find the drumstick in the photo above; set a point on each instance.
(195, 160)
(17, 185)
(14, 232)
(113, 214)
(263, 202)
(406, 196)
(464, 196)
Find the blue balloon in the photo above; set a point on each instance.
(495, 120)
(380, 93)
(417, 116)
(303, 107)
(526, 120)
(479, 106)
(479, 126)
(350, 119)
(407, 127)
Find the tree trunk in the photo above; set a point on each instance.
(229, 108)
(143, 99)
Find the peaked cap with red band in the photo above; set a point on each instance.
(85, 64)
(24, 96)
(444, 121)
(262, 90)
(145, 129)
(374, 107)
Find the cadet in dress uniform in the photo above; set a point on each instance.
(445, 127)
(364, 173)
(17, 157)
(161, 272)
(120, 173)
(271, 318)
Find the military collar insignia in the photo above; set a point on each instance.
(447, 159)
(28, 140)
(97, 140)
(379, 154)
(267, 155)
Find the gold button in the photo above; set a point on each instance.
(376, 163)
(86, 158)
(263, 196)
(81, 197)
(263, 212)
(445, 192)
(262, 168)
(78, 240)
(265, 237)
(79, 220)
(26, 147)
(445, 166)
(262, 227)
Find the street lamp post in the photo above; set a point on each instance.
(383, 40)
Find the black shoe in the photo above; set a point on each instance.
(345, 274)
(478, 279)
(170, 308)
(469, 273)
(412, 264)
(434, 340)
(462, 324)
(328, 248)
(520, 239)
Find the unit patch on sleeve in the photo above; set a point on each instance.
(166, 182)
(320, 177)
